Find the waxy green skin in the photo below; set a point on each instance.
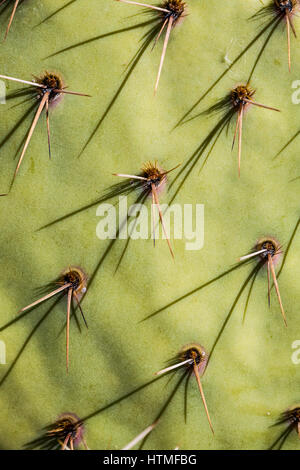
(251, 379)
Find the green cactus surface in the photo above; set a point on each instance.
(251, 378)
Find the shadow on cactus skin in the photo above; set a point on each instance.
(4, 5)
(267, 251)
(148, 183)
(235, 103)
(30, 95)
(249, 425)
(286, 252)
(72, 283)
(118, 189)
(192, 359)
(66, 433)
(56, 12)
(148, 38)
(188, 294)
(164, 16)
(46, 91)
(276, 12)
(289, 142)
(292, 418)
(29, 337)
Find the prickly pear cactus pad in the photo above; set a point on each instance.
(251, 379)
